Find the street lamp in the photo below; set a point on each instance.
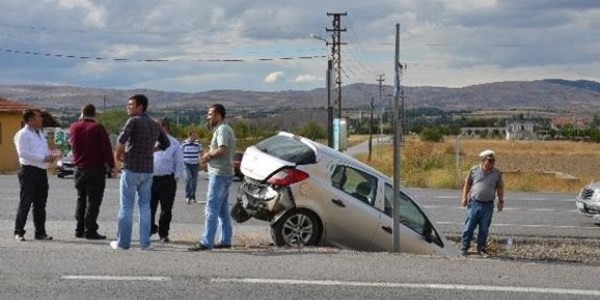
(329, 107)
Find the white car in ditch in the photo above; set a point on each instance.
(313, 195)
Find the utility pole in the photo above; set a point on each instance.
(336, 55)
(371, 129)
(397, 141)
(380, 79)
(329, 107)
(328, 75)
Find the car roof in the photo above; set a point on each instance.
(332, 154)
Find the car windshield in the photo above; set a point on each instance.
(288, 149)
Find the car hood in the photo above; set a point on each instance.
(593, 185)
(259, 165)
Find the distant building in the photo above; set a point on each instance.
(521, 130)
(11, 120)
(559, 123)
(483, 131)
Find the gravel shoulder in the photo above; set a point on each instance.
(543, 249)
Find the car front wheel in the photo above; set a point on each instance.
(298, 227)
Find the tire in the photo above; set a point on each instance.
(297, 228)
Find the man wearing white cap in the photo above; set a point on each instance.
(482, 185)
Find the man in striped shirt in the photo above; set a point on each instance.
(192, 151)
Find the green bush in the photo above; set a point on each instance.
(431, 134)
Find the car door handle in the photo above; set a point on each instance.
(387, 229)
(338, 202)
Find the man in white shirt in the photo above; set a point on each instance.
(34, 157)
(168, 169)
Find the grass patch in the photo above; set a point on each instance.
(527, 166)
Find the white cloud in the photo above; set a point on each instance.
(444, 42)
(94, 16)
(274, 77)
(308, 78)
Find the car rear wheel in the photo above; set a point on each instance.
(298, 227)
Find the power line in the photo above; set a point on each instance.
(360, 48)
(121, 59)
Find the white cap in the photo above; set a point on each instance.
(487, 153)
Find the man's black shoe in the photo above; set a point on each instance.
(43, 237)
(219, 246)
(94, 236)
(198, 247)
(165, 239)
(78, 235)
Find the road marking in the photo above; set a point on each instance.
(435, 206)
(433, 286)
(512, 199)
(543, 209)
(115, 278)
(525, 225)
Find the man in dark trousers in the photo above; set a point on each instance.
(92, 154)
(34, 156)
(168, 168)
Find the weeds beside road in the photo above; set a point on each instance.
(528, 166)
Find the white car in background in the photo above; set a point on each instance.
(314, 195)
(65, 166)
(588, 200)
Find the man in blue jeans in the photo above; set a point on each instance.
(192, 151)
(220, 175)
(140, 137)
(482, 185)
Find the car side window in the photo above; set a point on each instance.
(410, 214)
(356, 183)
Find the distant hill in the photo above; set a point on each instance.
(554, 94)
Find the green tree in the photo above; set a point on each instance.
(113, 120)
(312, 131)
(241, 129)
(431, 134)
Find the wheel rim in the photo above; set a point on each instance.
(298, 230)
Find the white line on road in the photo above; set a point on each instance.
(511, 199)
(412, 286)
(526, 225)
(115, 278)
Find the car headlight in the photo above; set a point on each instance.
(596, 196)
(269, 193)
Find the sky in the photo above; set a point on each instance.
(266, 45)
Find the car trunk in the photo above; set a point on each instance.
(254, 167)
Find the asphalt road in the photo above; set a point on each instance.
(524, 215)
(69, 268)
